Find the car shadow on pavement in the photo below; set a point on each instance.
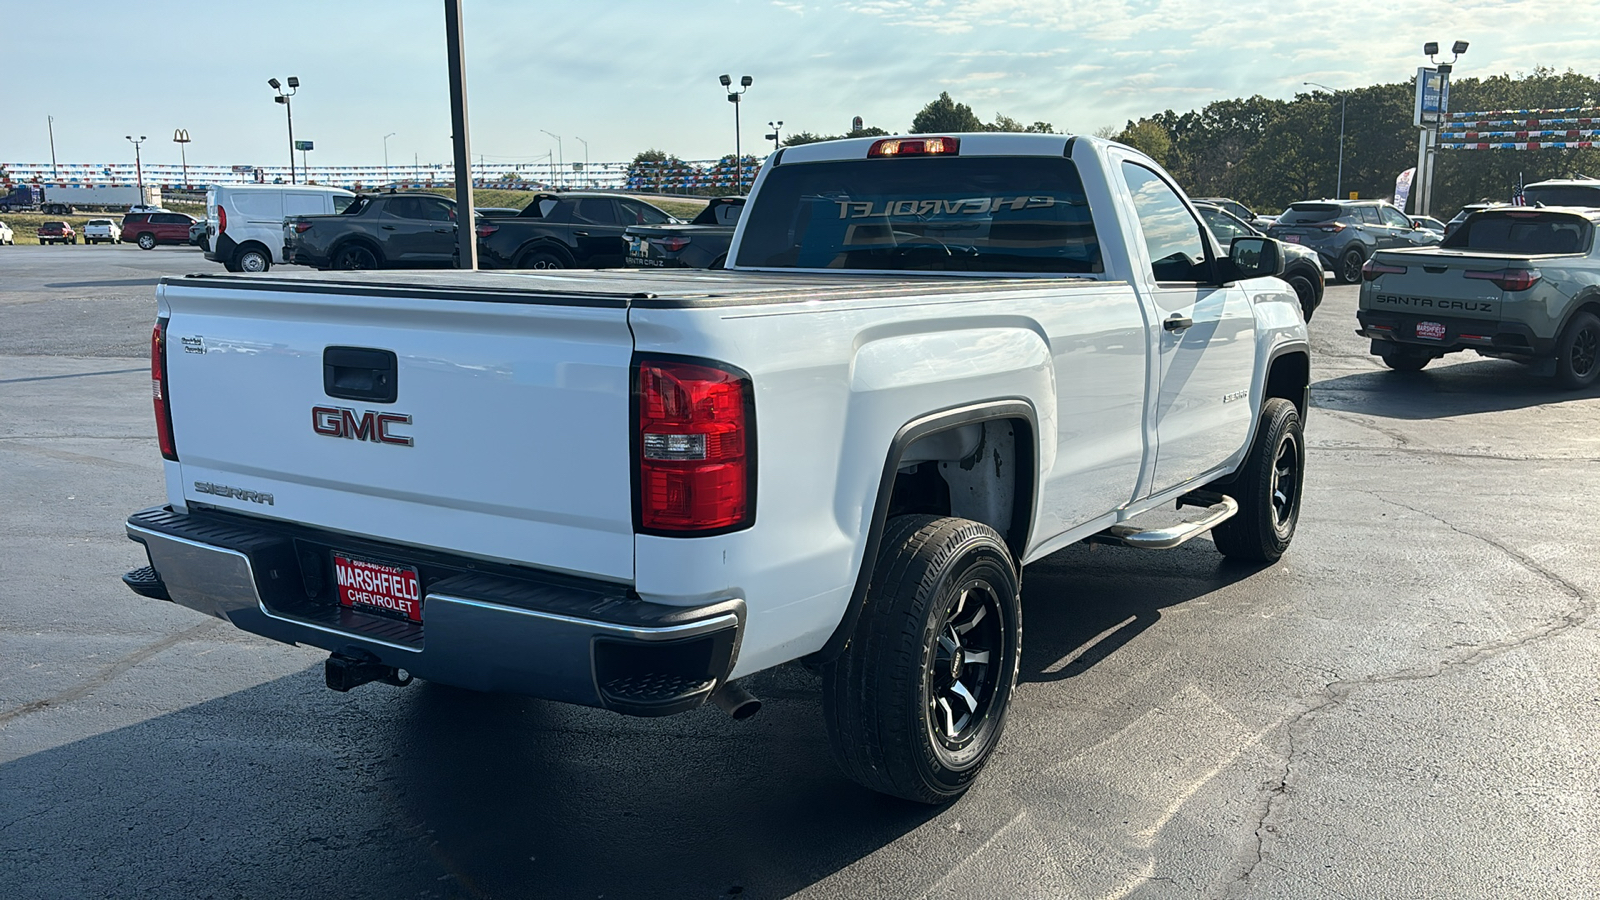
(1443, 391)
(1085, 602)
(288, 790)
(117, 282)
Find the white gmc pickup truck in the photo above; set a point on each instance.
(932, 361)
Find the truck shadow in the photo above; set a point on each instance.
(1082, 603)
(1443, 391)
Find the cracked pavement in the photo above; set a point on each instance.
(1406, 706)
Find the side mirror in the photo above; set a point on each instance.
(1255, 257)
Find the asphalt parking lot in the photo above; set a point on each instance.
(1406, 706)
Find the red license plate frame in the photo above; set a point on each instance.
(393, 590)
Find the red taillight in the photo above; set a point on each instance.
(1334, 228)
(302, 227)
(945, 146)
(673, 244)
(158, 389)
(694, 447)
(1508, 279)
(222, 219)
(485, 229)
(1372, 269)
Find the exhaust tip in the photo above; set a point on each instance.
(736, 701)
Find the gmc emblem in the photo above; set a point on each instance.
(339, 422)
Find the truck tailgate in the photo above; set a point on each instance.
(1440, 282)
(507, 437)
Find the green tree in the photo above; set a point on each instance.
(1003, 122)
(1149, 138)
(946, 116)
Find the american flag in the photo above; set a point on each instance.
(1518, 196)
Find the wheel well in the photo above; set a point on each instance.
(547, 246)
(256, 245)
(339, 247)
(1289, 377)
(981, 471)
(1590, 304)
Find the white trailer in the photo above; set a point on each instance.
(62, 200)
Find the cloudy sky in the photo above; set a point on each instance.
(628, 75)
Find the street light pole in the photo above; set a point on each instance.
(585, 144)
(181, 138)
(738, 151)
(560, 160)
(774, 137)
(138, 166)
(386, 154)
(51, 124)
(283, 97)
(1338, 189)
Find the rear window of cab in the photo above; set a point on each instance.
(1524, 231)
(1310, 213)
(972, 214)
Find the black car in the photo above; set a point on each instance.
(574, 229)
(701, 244)
(1346, 232)
(1302, 267)
(376, 231)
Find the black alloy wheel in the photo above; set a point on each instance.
(1268, 488)
(1350, 263)
(541, 259)
(916, 702)
(355, 256)
(1578, 356)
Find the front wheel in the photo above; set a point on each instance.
(147, 241)
(541, 259)
(917, 700)
(1306, 293)
(1349, 268)
(1578, 354)
(1268, 488)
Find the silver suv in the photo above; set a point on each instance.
(1345, 233)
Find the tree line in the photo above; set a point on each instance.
(1270, 153)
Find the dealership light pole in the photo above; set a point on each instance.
(560, 160)
(1430, 120)
(138, 166)
(585, 158)
(1338, 185)
(777, 128)
(283, 97)
(51, 124)
(181, 138)
(738, 152)
(386, 154)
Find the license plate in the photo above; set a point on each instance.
(375, 587)
(1433, 331)
(1292, 238)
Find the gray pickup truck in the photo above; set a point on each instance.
(1512, 282)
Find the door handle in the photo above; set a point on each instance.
(581, 233)
(1177, 322)
(387, 227)
(443, 230)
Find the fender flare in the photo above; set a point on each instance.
(908, 434)
(1302, 404)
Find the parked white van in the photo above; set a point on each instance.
(245, 221)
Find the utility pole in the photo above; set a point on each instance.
(386, 154)
(51, 124)
(455, 52)
(585, 144)
(283, 97)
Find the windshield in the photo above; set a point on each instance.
(1563, 195)
(1309, 213)
(976, 214)
(1523, 231)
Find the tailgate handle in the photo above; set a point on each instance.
(360, 373)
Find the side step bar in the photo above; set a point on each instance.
(1223, 509)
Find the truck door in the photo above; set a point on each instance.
(597, 233)
(417, 229)
(1207, 339)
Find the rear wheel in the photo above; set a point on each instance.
(917, 700)
(146, 241)
(1578, 354)
(1267, 489)
(541, 259)
(1349, 269)
(355, 256)
(253, 259)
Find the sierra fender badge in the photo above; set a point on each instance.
(343, 422)
(224, 490)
